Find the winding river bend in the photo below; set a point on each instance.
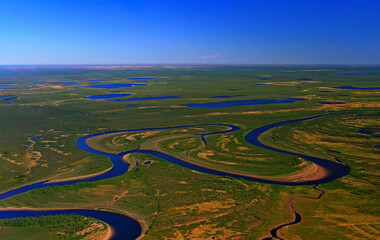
(127, 228)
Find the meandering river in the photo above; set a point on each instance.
(127, 228)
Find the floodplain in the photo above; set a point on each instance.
(44, 110)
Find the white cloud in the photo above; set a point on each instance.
(211, 56)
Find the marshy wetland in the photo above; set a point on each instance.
(185, 165)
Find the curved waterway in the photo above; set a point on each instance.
(128, 228)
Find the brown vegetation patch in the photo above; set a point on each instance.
(210, 231)
(213, 206)
(205, 154)
(132, 137)
(93, 227)
(59, 151)
(8, 159)
(319, 108)
(313, 172)
(31, 158)
(291, 83)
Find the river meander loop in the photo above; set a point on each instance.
(127, 228)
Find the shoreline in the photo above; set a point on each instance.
(310, 173)
(79, 177)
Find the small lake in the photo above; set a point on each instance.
(244, 102)
(34, 138)
(10, 99)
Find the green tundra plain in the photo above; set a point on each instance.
(43, 112)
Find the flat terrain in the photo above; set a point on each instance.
(44, 110)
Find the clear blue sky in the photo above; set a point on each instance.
(189, 31)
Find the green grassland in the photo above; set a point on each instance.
(172, 201)
(47, 227)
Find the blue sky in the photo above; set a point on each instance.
(189, 31)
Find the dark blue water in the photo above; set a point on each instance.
(115, 85)
(377, 147)
(244, 102)
(119, 166)
(335, 170)
(124, 227)
(367, 132)
(10, 99)
(144, 98)
(147, 162)
(357, 88)
(108, 96)
(117, 91)
(304, 79)
(334, 151)
(262, 78)
(35, 138)
(233, 89)
(260, 84)
(131, 105)
(127, 228)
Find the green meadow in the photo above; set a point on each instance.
(39, 130)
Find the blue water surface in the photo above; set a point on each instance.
(35, 138)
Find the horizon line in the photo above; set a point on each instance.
(190, 64)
